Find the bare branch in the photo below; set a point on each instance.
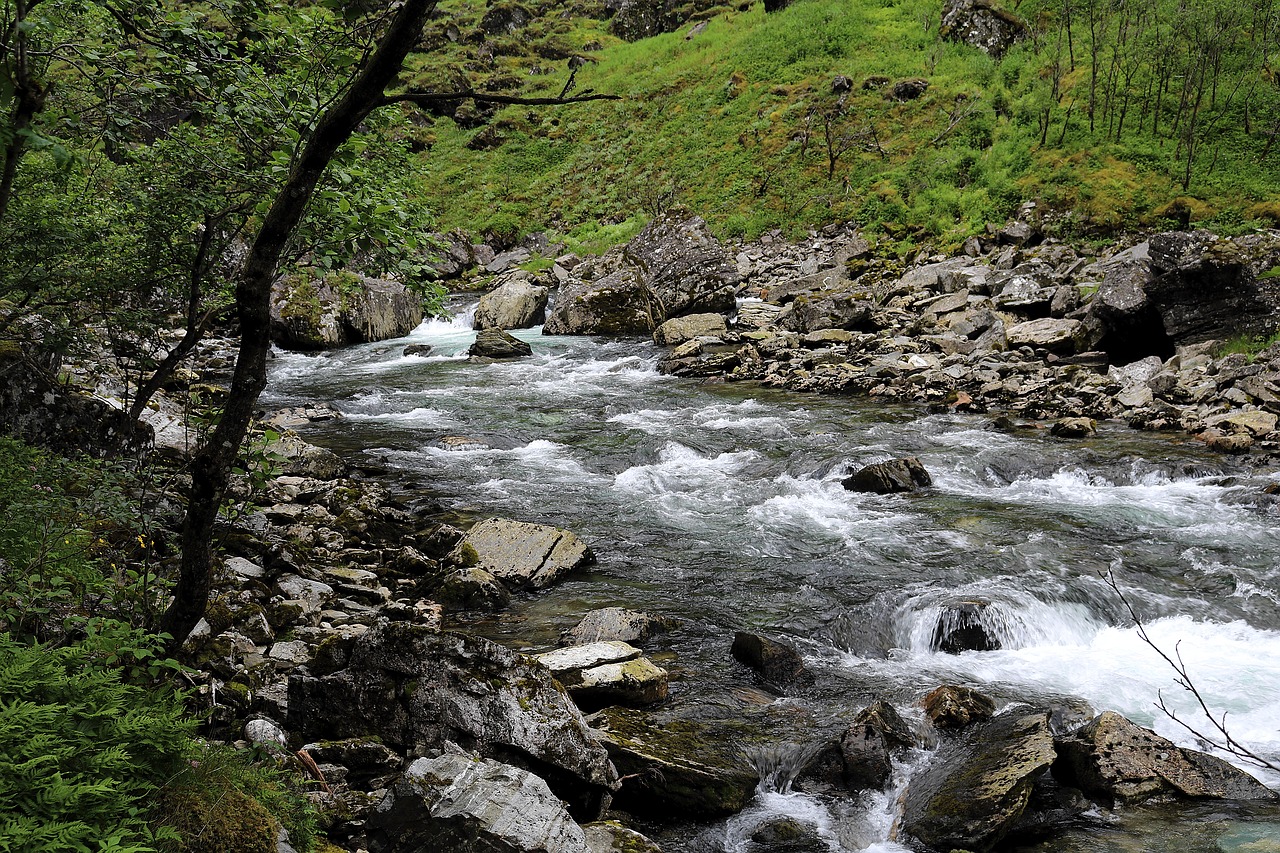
(1223, 739)
(491, 98)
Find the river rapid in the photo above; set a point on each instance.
(721, 505)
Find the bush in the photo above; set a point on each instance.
(82, 752)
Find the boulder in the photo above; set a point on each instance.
(616, 304)
(982, 24)
(678, 330)
(534, 556)
(616, 623)
(496, 343)
(469, 805)
(1203, 288)
(297, 458)
(471, 588)
(1118, 762)
(340, 310)
(606, 673)
(777, 662)
(838, 311)
(861, 758)
(416, 689)
(908, 90)
(684, 267)
(674, 768)
(1055, 335)
(979, 784)
(1073, 427)
(518, 303)
(757, 315)
(609, 836)
(896, 475)
(953, 707)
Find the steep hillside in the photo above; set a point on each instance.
(759, 120)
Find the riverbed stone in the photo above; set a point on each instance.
(516, 303)
(1116, 761)
(673, 768)
(1073, 427)
(617, 623)
(979, 784)
(954, 707)
(961, 628)
(498, 344)
(417, 689)
(528, 555)
(678, 330)
(778, 662)
(896, 475)
(468, 805)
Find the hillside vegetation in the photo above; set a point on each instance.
(1159, 114)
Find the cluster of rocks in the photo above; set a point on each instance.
(1018, 324)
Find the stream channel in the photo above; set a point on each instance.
(721, 505)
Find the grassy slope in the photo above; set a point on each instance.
(716, 124)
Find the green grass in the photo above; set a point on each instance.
(729, 125)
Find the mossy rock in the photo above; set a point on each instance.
(221, 821)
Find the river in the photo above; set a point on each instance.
(721, 505)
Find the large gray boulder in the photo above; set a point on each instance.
(517, 303)
(982, 24)
(340, 310)
(979, 784)
(1116, 761)
(468, 805)
(684, 267)
(681, 329)
(417, 689)
(615, 304)
(534, 556)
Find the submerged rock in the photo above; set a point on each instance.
(467, 805)
(616, 623)
(897, 475)
(960, 628)
(979, 785)
(777, 662)
(1116, 761)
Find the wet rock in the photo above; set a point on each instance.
(1115, 761)
(897, 475)
(609, 836)
(529, 555)
(617, 304)
(787, 835)
(674, 768)
(865, 754)
(960, 628)
(496, 343)
(681, 329)
(459, 443)
(861, 758)
(979, 785)
(517, 303)
(953, 707)
(464, 805)
(616, 623)
(982, 24)
(416, 689)
(777, 662)
(421, 350)
(1073, 427)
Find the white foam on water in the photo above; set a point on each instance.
(748, 416)
(686, 486)
(421, 416)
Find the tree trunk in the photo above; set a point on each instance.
(211, 468)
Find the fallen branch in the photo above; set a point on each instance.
(1223, 739)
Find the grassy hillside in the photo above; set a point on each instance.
(740, 124)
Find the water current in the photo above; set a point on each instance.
(721, 505)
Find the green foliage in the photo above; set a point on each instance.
(82, 752)
(1247, 345)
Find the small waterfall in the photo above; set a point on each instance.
(779, 764)
(940, 621)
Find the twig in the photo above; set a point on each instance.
(1223, 740)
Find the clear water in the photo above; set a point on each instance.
(721, 505)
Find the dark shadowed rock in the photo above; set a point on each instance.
(416, 689)
(777, 662)
(1116, 761)
(674, 768)
(495, 343)
(896, 475)
(616, 623)
(978, 786)
(839, 311)
(467, 805)
(1202, 288)
(952, 707)
(418, 349)
(982, 24)
(787, 835)
(861, 758)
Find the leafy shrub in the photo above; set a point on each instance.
(82, 752)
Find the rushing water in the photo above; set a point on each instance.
(721, 505)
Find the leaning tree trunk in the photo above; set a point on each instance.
(212, 465)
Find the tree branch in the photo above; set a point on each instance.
(491, 98)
